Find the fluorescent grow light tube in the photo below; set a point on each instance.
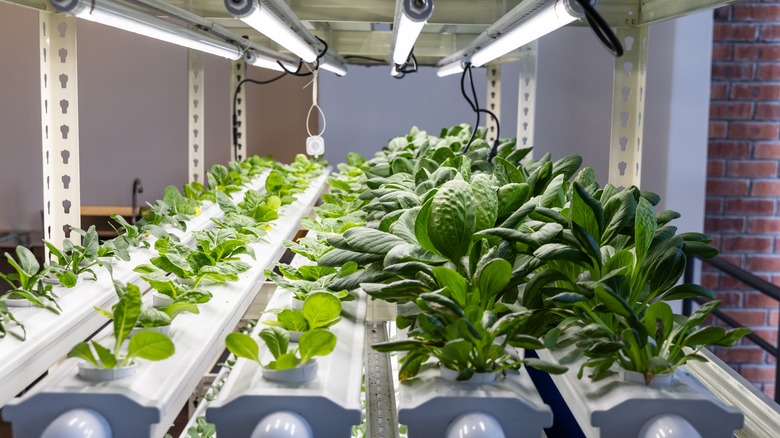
(449, 69)
(334, 67)
(408, 24)
(532, 27)
(251, 57)
(262, 19)
(132, 20)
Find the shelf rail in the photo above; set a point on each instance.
(757, 283)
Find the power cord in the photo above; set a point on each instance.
(235, 104)
(475, 107)
(601, 29)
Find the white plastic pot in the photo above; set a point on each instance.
(659, 381)
(164, 329)
(18, 302)
(87, 371)
(294, 336)
(159, 300)
(300, 374)
(297, 304)
(477, 378)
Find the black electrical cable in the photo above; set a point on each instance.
(601, 29)
(235, 103)
(366, 58)
(474, 105)
(297, 72)
(405, 68)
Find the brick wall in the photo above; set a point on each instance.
(742, 183)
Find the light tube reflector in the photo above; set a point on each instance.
(251, 57)
(449, 69)
(407, 27)
(126, 18)
(265, 22)
(547, 20)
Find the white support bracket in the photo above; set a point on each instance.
(493, 100)
(59, 127)
(238, 140)
(196, 81)
(526, 97)
(628, 104)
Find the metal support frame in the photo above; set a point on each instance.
(381, 414)
(628, 104)
(59, 127)
(238, 74)
(493, 100)
(196, 81)
(526, 97)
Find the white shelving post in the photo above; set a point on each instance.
(196, 104)
(628, 105)
(59, 127)
(238, 144)
(526, 97)
(493, 100)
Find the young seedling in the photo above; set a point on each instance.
(26, 281)
(317, 342)
(75, 260)
(320, 310)
(147, 345)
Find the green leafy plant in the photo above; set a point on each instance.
(320, 310)
(174, 209)
(307, 280)
(147, 345)
(202, 429)
(7, 321)
(312, 343)
(137, 236)
(467, 340)
(26, 282)
(75, 260)
(214, 260)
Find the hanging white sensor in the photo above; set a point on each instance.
(315, 144)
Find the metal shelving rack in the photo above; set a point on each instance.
(350, 29)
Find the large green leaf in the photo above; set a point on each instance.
(82, 351)
(321, 309)
(619, 210)
(242, 345)
(586, 211)
(454, 282)
(150, 345)
(126, 313)
(318, 342)
(276, 339)
(644, 228)
(291, 320)
(371, 240)
(452, 219)
(493, 278)
(486, 201)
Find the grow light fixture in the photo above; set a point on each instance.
(132, 20)
(527, 22)
(252, 57)
(334, 66)
(452, 68)
(410, 18)
(263, 19)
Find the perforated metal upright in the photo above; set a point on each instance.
(493, 100)
(628, 105)
(238, 74)
(195, 75)
(526, 96)
(59, 127)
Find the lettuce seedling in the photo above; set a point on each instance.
(147, 345)
(7, 320)
(320, 310)
(75, 260)
(317, 342)
(173, 209)
(26, 281)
